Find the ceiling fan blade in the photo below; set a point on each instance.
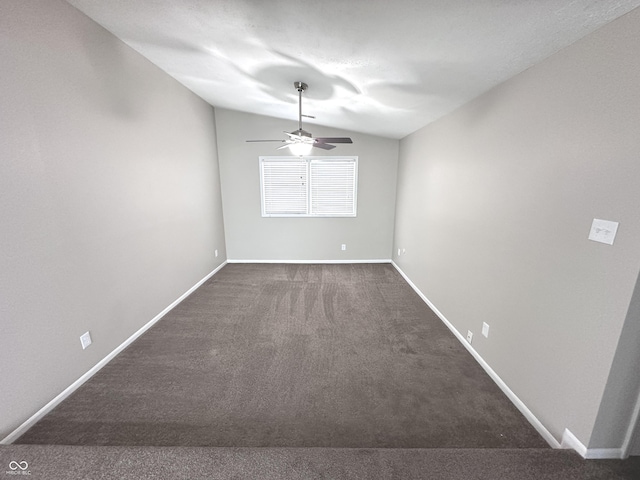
(323, 146)
(334, 140)
(251, 141)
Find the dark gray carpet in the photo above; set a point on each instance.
(293, 356)
(101, 463)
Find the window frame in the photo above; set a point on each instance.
(308, 160)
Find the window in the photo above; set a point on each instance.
(309, 187)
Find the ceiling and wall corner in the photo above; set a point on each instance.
(407, 62)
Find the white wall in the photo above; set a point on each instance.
(110, 203)
(495, 202)
(251, 237)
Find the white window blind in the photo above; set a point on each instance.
(309, 187)
(284, 187)
(333, 187)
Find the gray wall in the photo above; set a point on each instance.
(495, 202)
(110, 203)
(635, 442)
(623, 385)
(369, 236)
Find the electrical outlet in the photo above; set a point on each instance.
(485, 329)
(344, 246)
(469, 336)
(85, 340)
(215, 252)
(399, 252)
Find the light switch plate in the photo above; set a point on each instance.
(603, 231)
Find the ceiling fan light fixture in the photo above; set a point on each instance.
(300, 148)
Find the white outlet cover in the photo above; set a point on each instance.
(85, 340)
(485, 329)
(469, 336)
(215, 252)
(603, 231)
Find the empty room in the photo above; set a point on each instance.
(293, 239)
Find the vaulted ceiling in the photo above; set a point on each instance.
(374, 66)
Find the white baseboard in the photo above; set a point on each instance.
(604, 454)
(75, 385)
(537, 424)
(377, 260)
(569, 440)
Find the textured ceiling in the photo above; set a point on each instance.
(375, 66)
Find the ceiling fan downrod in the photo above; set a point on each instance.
(301, 87)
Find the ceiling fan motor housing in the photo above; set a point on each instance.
(302, 133)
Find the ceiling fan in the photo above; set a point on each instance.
(300, 142)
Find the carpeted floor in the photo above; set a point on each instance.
(122, 463)
(293, 356)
